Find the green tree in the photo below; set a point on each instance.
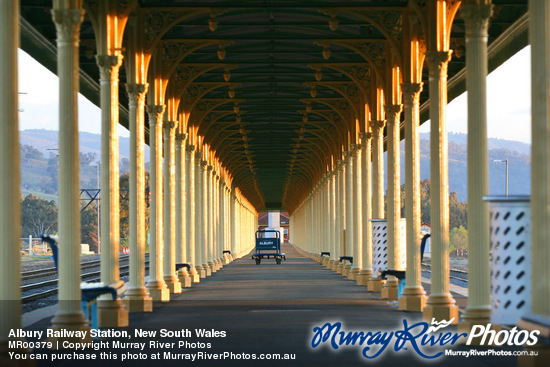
(38, 216)
(88, 226)
(124, 204)
(87, 158)
(425, 200)
(30, 152)
(458, 215)
(458, 211)
(459, 237)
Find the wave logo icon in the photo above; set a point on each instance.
(439, 325)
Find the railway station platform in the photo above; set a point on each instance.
(268, 309)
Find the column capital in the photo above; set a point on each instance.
(108, 66)
(354, 149)
(365, 136)
(136, 92)
(181, 136)
(347, 156)
(203, 163)
(392, 110)
(438, 60)
(67, 23)
(168, 126)
(476, 17)
(411, 88)
(377, 126)
(155, 112)
(209, 167)
(189, 148)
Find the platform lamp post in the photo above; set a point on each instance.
(98, 195)
(504, 161)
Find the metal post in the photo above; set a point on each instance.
(504, 161)
(98, 233)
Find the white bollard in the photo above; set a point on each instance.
(510, 254)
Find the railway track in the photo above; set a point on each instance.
(47, 272)
(50, 286)
(455, 273)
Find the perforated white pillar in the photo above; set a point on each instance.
(510, 223)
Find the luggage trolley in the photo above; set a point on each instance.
(268, 244)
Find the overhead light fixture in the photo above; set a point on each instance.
(326, 52)
(308, 107)
(231, 92)
(304, 118)
(318, 75)
(313, 92)
(333, 22)
(238, 119)
(236, 108)
(221, 52)
(213, 23)
(226, 75)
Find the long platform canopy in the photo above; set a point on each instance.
(273, 81)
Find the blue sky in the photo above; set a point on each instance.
(508, 101)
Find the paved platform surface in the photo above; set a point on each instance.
(271, 308)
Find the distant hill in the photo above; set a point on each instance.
(39, 161)
(38, 169)
(493, 143)
(47, 142)
(517, 153)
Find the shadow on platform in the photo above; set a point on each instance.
(264, 309)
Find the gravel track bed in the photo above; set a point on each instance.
(29, 265)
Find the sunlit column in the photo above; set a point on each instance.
(366, 210)
(356, 194)
(341, 216)
(205, 173)
(208, 218)
(233, 221)
(222, 215)
(414, 297)
(169, 172)
(199, 235)
(210, 200)
(440, 304)
(331, 219)
(10, 210)
(476, 18)
(137, 298)
(181, 210)
(190, 211)
(348, 209)
(375, 284)
(110, 313)
(69, 314)
(539, 35)
(395, 248)
(156, 285)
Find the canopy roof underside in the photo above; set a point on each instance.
(280, 137)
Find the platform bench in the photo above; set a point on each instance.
(400, 274)
(344, 258)
(89, 292)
